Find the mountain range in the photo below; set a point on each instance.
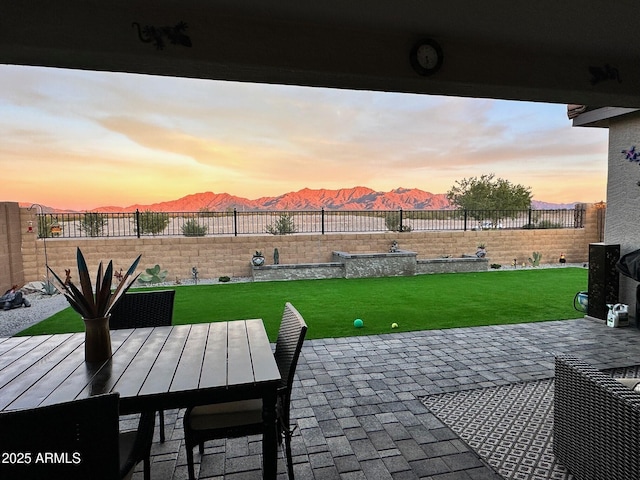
(356, 198)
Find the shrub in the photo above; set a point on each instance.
(92, 223)
(496, 266)
(392, 222)
(283, 226)
(192, 228)
(224, 279)
(152, 222)
(548, 224)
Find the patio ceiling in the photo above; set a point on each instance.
(573, 51)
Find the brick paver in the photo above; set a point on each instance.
(356, 401)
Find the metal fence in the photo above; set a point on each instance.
(234, 222)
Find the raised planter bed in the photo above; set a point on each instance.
(297, 271)
(452, 265)
(362, 265)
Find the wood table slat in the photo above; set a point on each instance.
(34, 348)
(262, 359)
(82, 376)
(187, 375)
(34, 369)
(161, 374)
(238, 354)
(7, 343)
(108, 376)
(58, 375)
(214, 368)
(136, 372)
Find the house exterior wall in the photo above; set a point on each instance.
(11, 267)
(622, 225)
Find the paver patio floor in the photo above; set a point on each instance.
(356, 400)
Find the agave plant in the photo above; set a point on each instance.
(96, 304)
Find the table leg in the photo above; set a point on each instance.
(269, 436)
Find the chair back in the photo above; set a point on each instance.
(143, 309)
(78, 439)
(289, 344)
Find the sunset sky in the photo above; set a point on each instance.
(80, 140)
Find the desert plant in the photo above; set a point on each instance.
(44, 226)
(92, 223)
(153, 275)
(152, 222)
(392, 222)
(99, 304)
(192, 228)
(283, 226)
(548, 224)
(535, 261)
(49, 288)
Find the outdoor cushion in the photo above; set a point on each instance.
(224, 415)
(632, 383)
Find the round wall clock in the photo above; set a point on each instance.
(426, 57)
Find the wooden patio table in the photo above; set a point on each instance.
(152, 368)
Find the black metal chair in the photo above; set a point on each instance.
(241, 418)
(144, 309)
(78, 439)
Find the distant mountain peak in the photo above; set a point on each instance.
(355, 198)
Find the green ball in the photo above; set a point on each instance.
(358, 323)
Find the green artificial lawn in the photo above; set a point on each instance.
(421, 302)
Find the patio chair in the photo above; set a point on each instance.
(78, 439)
(144, 309)
(595, 422)
(241, 418)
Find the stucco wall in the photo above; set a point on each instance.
(217, 256)
(622, 224)
(11, 268)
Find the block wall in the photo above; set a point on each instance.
(217, 256)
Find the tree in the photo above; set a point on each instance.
(489, 198)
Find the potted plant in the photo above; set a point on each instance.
(258, 259)
(95, 307)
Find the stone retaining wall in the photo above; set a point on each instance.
(361, 265)
(452, 265)
(368, 265)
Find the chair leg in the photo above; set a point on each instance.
(190, 468)
(161, 418)
(287, 447)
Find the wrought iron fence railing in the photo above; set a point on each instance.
(235, 222)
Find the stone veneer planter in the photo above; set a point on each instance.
(297, 271)
(360, 265)
(452, 265)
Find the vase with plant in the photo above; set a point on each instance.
(95, 306)
(257, 259)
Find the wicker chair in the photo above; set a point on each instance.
(596, 423)
(78, 439)
(241, 418)
(144, 309)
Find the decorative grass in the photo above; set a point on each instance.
(421, 302)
